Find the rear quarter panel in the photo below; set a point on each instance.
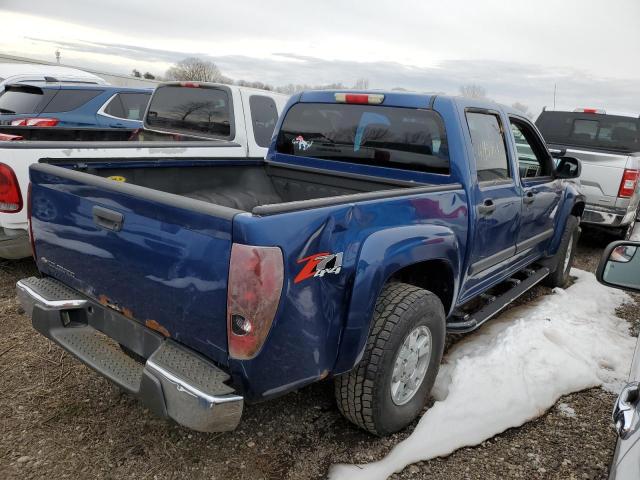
(322, 322)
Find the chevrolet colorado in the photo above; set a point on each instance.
(377, 223)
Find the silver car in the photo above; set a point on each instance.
(608, 146)
(620, 267)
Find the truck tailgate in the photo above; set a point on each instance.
(158, 258)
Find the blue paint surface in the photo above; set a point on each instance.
(170, 265)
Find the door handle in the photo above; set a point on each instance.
(529, 197)
(109, 219)
(624, 411)
(487, 207)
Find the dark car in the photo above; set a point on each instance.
(73, 104)
(620, 268)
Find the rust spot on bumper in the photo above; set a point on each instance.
(153, 325)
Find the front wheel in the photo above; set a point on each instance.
(388, 389)
(563, 259)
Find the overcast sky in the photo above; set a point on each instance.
(516, 49)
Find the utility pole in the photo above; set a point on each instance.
(57, 55)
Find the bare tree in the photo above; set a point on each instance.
(195, 69)
(361, 84)
(521, 107)
(473, 91)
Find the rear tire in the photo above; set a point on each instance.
(626, 232)
(563, 259)
(389, 388)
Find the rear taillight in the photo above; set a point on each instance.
(35, 122)
(5, 137)
(255, 283)
(190, 84)
(628, 184)
(29, 209)
(10, 196)
(360, 98)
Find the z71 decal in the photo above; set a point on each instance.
(318, 265)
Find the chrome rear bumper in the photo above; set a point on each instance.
(174, 381)
(607, 217)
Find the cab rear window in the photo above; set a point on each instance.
(403, 138)
(597, 130)
(201, 111)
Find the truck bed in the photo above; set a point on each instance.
(241, 185)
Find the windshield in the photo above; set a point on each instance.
(403, 138)
(590, 130)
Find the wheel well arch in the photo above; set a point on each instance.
(434, 275)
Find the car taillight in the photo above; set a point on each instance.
(628, 184)
(360, 98)
(5, 137)
(29, 209)
(256, 276)
(190, 84)
(35, 122)
(10, 196)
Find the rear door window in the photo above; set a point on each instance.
(200, 111)
(67, 100)
(590, 130)
(489, 148)
(22, 99)
(130, 106)
(264, 115)
(403, 138)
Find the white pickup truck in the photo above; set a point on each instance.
(608, 146)
(185, 121)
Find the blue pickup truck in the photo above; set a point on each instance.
(377, 223)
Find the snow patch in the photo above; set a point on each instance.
(514, 369)
(566, 410)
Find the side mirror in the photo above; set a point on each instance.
(568, 167)
(620, 266)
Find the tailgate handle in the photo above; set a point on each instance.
(109, 219)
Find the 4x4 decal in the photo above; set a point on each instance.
(318, 265)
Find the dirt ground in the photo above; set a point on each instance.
(58, 419)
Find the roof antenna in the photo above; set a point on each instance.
(555, 87)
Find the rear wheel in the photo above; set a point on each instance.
(626, 232)
(563, 259)
(388, 389)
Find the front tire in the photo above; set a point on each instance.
(563, 259)
(389, 388)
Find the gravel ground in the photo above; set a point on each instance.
(60, 420)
